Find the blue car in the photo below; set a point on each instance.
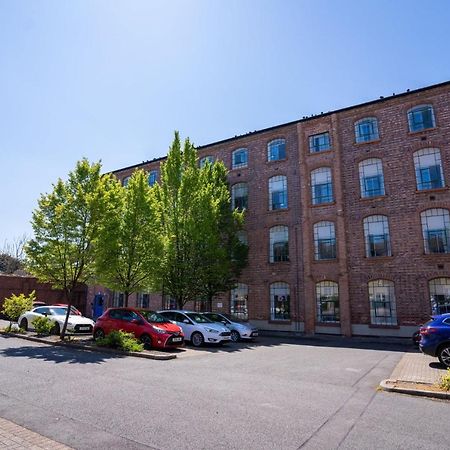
(435, 338)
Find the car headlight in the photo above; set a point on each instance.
(160, 330)
(211, 330)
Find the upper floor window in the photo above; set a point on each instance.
(276, 150)
(278, 192)
(321, 186)
(280, 300)
(279, 244)
(206, 159)
(324, 241)
(239, 300)
(152, 177)
(327, 298)
(436, 230)
(125, 181)
(440, 295)
(239, 196)
(421, 118)
(376, 234)
(366, 130)
(429, 173)
(239, 158)
(319, 142)
(382, 302)
(371, 178)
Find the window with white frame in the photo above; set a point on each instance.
(125, 181)
(276, 150)
(118, 299)
(239, 196)
(143, 300)
(319, 142)
(152, 177)
(279, 244)
(168, 302)
(280, 300)
(428, 165)
(321, 186)
(382, 302)
(239, 302)
(440, 295)
(327, 298)
(376, 235)
(239, 158)
(366, 130)
(421, 118)
(205, 159)
(436, 230)
(324, 241)
(278, 192)
(371, 178)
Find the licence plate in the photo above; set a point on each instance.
(255, 334)
(177, 339)
(84, 328)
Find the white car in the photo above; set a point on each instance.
(197, 328)
(239, 330)
(57, 314)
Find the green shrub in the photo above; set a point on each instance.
(121, 340)
(16, 305)
(13, 329)
(445, 381)
(43, 325)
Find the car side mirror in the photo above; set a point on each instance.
(45, 314)
(186, 321)
(224, 322)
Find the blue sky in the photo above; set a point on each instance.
(111, 80)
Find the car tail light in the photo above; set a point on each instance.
(428, 330)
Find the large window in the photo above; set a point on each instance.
(143, 300)
(371, 178)
(280, 301)
(276, 150)
(206, 159)
(327, 298)
(376, 234)
(125, 181)
(239, 300)
(321, 186)
(239, 158)
(239, 196)
(279, 244)
(324, 241)
(429, 174)
(118, 299)
(440, 295)
(319, 142)
(421, 118)
(278, 192)
(382, 302)
(152, 177)
(366, 130)
(436, 230)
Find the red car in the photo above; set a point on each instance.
(149, 327)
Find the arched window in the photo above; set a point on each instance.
(327, 298)
(428, 165)
(319, 142)
(239, 301)
(239, 158)
(239, 196)
(152, 177)
(276, 150)
(125, 181)
(324, 240)
(371, 178)
(279, 244)
(421, 118)
(278, 192)
(321, 186)
(440, 295)
(382, 302)
(206, 159)
(280, 301)
(376, 235)
(436, 230)
(366, 130)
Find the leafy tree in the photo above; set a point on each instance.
(128, 247)
(16, 305)
(65, 226)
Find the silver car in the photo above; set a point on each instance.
(239, 330)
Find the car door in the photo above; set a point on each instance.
(131, 322)
(188, 328)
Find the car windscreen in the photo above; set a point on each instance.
(233, 318)
(199, 318)
(58, 311)
(154, 317)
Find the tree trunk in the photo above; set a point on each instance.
(126, 295)
(69, 304)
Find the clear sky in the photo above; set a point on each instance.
(111, 80)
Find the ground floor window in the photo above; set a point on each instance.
(143, 300)
(382, 302)
(118, 299)
(327, 297)
(440, 295)
(168, 302)
(280, 300)
(239, 301)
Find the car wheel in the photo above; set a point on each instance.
(24, 324)
(99, 334)
(146, 340)
(444, 355)
(235, 336)
(197, 339)
(56, 329)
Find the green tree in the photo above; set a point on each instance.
(16, 305)
(128, 247)
(65, 226)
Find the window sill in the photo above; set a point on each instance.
(387, 327)
(427, 191)
(319, 205)
(424, 130)
(280, 321)
(375, 197)
(379, 258)
(274, 161)
(328, 324)
(375, 141)
(236, 169)
(322, 261)
(320, 152)
(271, 211)
(434, 255)
(285, 263)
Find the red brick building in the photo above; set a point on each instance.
(347, 217)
